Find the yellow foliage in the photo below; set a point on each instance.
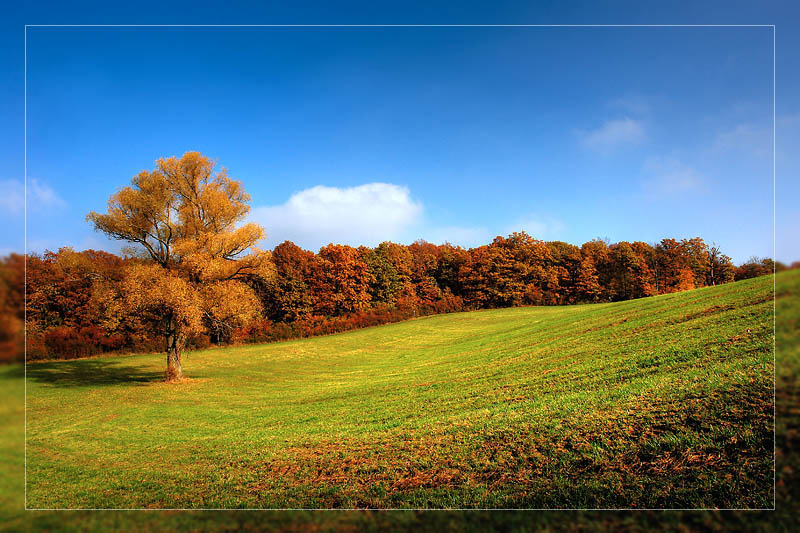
(184, 216)
(230, 302)
(151, 288)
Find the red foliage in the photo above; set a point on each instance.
(12, 312)
(70, 294)
(340, 281)
(67, 342)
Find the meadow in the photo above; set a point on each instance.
(662, 402)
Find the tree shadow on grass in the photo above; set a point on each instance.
(90, 373)
(13, 371)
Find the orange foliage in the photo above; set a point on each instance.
(183, 217)
(340, 281)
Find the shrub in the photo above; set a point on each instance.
(65, 342)
(198, 342)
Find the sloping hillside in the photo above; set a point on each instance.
(660, 402)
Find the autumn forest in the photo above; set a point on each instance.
(195, 278)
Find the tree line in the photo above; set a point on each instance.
(71, 311)
(195, 277)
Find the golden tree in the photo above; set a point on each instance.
(182, 219)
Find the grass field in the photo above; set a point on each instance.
(14, 518)
(660, 402)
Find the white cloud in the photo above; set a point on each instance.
(12, 197)
(613, 134)
(40, 195)
(366, 214)
(670, 176)
(372, 213)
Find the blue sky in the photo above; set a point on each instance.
(359, 135)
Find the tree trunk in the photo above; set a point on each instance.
(174, 371)
(174, 345)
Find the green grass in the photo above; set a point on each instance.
(659, 402)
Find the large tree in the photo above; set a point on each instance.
(720, 267)
(288, 298)
(509, 272)
(340, 281)
(183, 219)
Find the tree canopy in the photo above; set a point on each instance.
(182, 219)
